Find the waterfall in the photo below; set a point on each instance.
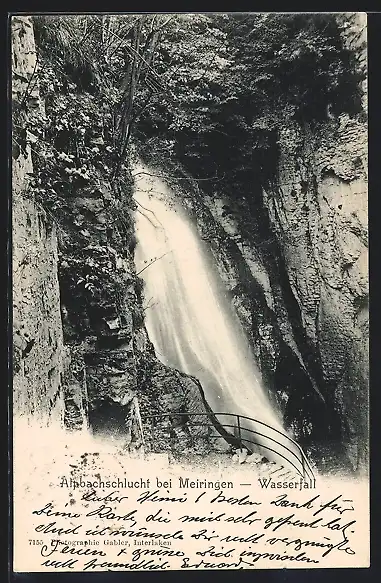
(189, 320)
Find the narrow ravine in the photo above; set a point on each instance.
(192, 325)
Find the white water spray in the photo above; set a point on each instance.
(190, 322)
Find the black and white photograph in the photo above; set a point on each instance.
(190, 367)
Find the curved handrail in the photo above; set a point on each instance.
(303, 459)
(262, 435)
(277, 431)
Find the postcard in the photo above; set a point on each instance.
(190, 291)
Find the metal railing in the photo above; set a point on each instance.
(298, 460)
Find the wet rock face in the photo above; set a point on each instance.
(255, 280)
(295, 269)
(293, 263)
(319, 213)
(39, 356)
(175, 413)
(317, 209)
(115, 378)
(81, 351)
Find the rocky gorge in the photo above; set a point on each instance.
(292, 258)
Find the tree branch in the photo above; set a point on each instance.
(153, 261)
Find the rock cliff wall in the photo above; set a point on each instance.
(38, 352)
(294, 261)
(81, 354)
(318, 211)
(112, 360)
(317, 208)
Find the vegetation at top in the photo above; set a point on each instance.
(209, 90)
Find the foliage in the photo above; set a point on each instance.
(212, 90)
(95, 76)
(71, 155)
(89, 272)
(238, 79)
(92, 286)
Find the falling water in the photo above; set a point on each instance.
(191, 324)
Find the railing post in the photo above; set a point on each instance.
(239, 432)
(307, 471)
(304, 469)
